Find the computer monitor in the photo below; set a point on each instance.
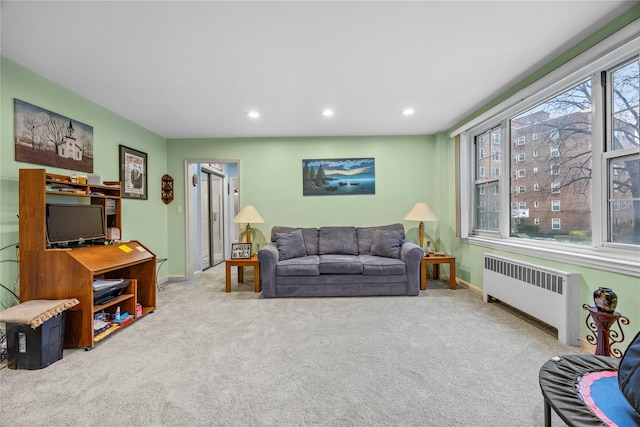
(74, 224)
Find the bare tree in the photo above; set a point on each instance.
(87, 145)
(54, 128)
(565, 153)
(31, 126)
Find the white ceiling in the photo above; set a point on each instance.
(193, 69)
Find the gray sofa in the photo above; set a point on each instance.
(339, 261)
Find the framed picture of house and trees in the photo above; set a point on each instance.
(46, 138)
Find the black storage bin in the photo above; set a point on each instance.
(29, 348)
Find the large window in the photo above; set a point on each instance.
(574, 142)
(564, 125)
(487, 219)
(623, 164)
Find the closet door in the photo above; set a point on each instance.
(217, 218)
(205, 220)
(212, 218)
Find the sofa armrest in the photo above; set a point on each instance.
(412, 255)
(268, 256)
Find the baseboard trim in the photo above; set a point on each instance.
(169, 279)
(587, 347)
(471, 287)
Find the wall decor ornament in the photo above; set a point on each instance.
(340, 177)
(47, 138)
(166, 188)
(133, 173)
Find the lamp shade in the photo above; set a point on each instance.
(421, 212)
(249, 215)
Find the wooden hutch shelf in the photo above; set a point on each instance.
(54, 273)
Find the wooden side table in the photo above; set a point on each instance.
(436, 261)
(241, 263)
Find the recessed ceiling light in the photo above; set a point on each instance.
(408, 111)
(327, 113)
(253, 114)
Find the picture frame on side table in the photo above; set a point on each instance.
(133, 173)
(240, 250)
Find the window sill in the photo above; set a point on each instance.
(608, 259)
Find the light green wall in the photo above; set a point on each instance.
(145, 220)
(407, 172)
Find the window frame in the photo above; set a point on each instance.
(620, 47)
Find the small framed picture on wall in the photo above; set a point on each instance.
(240, 250)
(133, 173)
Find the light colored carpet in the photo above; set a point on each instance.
(209, 358)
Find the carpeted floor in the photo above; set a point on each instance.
(209, 358)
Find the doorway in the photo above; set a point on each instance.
(212, 199)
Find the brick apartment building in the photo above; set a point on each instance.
(551, 187)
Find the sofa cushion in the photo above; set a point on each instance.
(290, 245)
(340, 264)
(386, 243)
(304, 266)
(337, 241)
(365, 236)
(309, 235)
(381, 266)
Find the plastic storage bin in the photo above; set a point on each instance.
(29, 348)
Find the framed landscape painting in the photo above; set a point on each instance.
(338, 177)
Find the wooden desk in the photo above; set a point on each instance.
(241, 263)
(436, 261)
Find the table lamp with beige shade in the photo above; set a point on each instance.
(421, 212)
(248, 215)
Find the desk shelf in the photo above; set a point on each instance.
(69, 273)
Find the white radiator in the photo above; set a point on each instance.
(549, 295)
